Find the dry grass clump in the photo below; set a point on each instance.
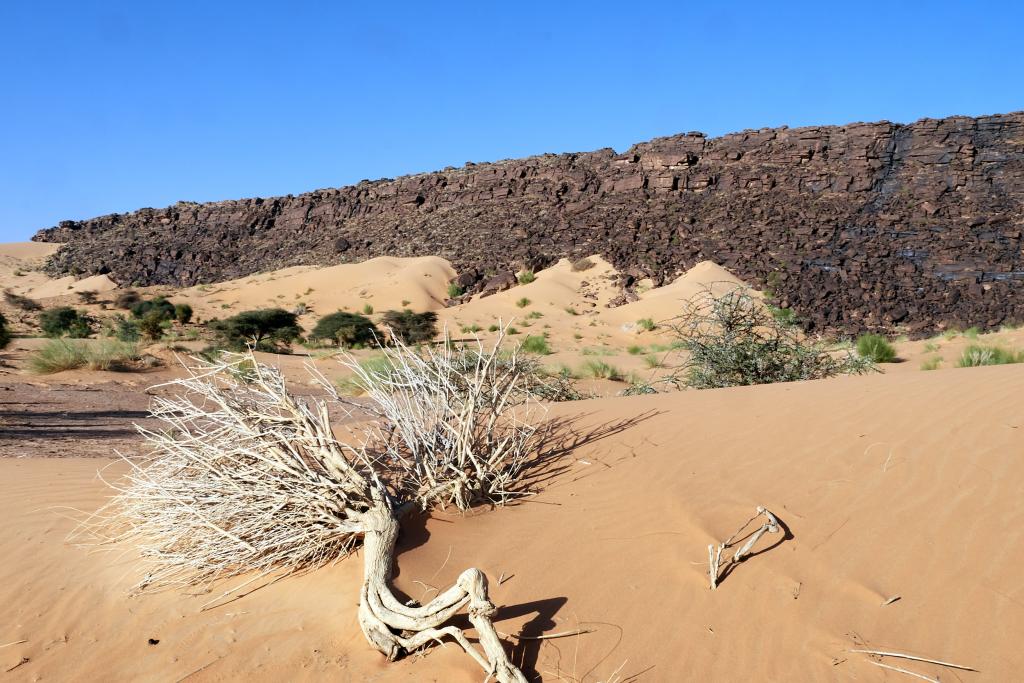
(58, 355)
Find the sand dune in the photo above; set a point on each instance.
(903, 485)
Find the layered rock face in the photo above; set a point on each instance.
(856, 227)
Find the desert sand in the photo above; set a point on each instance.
(898, 491)
(902, 486)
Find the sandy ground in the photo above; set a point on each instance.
(891, 486)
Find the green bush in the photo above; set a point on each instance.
(409, 327)
(65, 321)
(127, 299)
(526, 277)
(367, 309)
(152, 324)
(734, 340)
(784, 316)
(5, 333)
(536, 344)
(975, 356)
(646, 324)
(183, 313)
(266, 329)
(634, 350)
(454, 290)
(523, 303)
(875, 348)
(159, 306)
(346, 329)
(127, 330)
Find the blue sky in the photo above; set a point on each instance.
(112, 106)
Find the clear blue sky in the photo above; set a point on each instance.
(111, 106)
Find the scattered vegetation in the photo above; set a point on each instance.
(534, 315)
(471, 329)
(582, 264)
(931, 363)
(634, 350)
(267, 329)
(153, 324)
(526, 277)
(22, 302)
(571, 311)
(349, 330)
(65, 321)
(875, 348)
(523, 303)
(783, 316)
(183, 313)
(88, 297)
(127, 299)
(972, 332)
(734, 340)
(646, 324)
(493, 328)
(409, 327)
(976, 355)
(931, 347)
(454, 290)
(367, 309)
(536, 344)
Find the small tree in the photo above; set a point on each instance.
(411, 328)
(266, 329)
(65, 321)
(734, 340)
(152, 324)
(346, 329)
(183, 313)
(127, 330)
(5, 333)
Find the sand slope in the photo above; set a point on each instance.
(891, 485)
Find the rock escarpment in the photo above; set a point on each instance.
(856, 227)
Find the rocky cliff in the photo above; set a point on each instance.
(856, 227)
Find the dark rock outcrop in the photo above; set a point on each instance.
(856, 227)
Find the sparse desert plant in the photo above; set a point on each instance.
(471, 329)
(409, 327)
(931, 363)
(216, 498)
(5, 332)
(536, 343)
(110, 354)
(976, 355)
(931, 347)
(582, 264)
(652, 361)
(88, 297)
(783, 316)
(511, 330)
(367, 309)
(523, 303)
(634, 350)
(971, 332)
(266, 329)
(22, 302)
(58, 355)
(734, 340)
(534, 315)
(571, 311)
(346, 329)
(875, 348)
(65, 321)
(526, 277)
(646, 324)
(493, 328)
(152, 324)
(454, 290)
(126, 330)
(183, 313)
(598, 369)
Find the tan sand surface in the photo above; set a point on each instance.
(900, 485)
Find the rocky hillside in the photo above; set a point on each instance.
(856, 227)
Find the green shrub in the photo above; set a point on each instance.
(454, 290)
(523, 303)
(783, 316)
(346, 329)
(411, 328)
(152, 323)
(493, 328)
(511, 330)
(931, 363)
(536, 344)
(598, 369)
(534, 315)
(646, 324)
(971, 332)
(111, 355)
(526, 277)
(157, 306)
(931, 347)
(471, 329)
(653, 361)
(22, 302)
(65, 321)
(183, 313)
(634, 350)
(5, 333)
(734, 340)
(875, 348)
(975, 356)
(127, 330)
(367, 309)
(267, 329)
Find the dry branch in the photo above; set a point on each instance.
(715, 568)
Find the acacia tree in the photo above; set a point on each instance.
(251, 479)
